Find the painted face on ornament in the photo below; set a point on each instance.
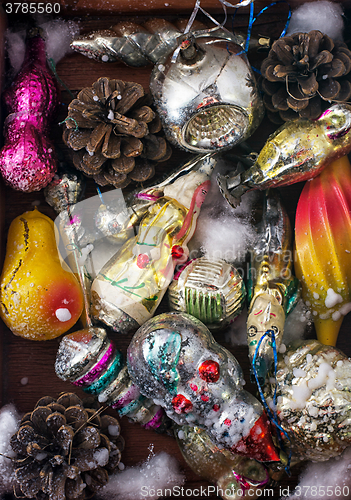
(266, 314)
(174, 359)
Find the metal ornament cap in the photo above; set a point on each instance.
(206, 95)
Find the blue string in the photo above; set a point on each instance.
(99, 193)
(272, 416)
(252, 19)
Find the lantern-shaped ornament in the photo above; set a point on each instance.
(205, 93)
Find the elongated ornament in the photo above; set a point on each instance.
(130, 286)
(27, 159)
(297, 151)
(174, 359)
(272, 289)
(323, 248)
(90, 360)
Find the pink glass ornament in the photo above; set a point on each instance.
(27, 160)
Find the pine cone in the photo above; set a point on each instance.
(112, 128)
(303, 73)
(64, 449)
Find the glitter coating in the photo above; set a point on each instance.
(27, 160)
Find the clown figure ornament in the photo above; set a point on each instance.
(174, 359)
(272, 289)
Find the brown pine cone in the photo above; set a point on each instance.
(65, 449)
(303, 73)
(112, 131)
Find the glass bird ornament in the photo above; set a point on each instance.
(130, 286)
(297, 151)
(323, 248)
(174, 359)
(27, 159)
(272, 289)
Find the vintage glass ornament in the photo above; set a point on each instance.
(312, 400)
(65, 190)
(272, 289)
(27, 159)
(206, 94)
(299, 150)
(130, 286)
(138, 45)
(40, 297)
(233, 475)
(211, 290)
(323, 246)
(90, 360)
(174, 359)
(129, 42)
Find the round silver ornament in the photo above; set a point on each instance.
(313, 400)
(206, 94)
(211, 290)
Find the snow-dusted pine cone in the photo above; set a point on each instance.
(303, 73)
(65, 449)
(112, 130)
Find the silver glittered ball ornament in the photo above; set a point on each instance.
(206, 94)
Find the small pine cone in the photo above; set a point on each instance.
(112, 131)
(303, 73)
(65, 449)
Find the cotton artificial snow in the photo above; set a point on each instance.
(332, 298)
(223, 232)
(302, 392)
(58, 36)
(9, 422)
(296, 323)
(333, 477)
(324, 16)
(154, 478)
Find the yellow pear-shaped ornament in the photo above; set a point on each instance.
(40, 298)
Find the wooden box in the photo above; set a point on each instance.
(27, 367)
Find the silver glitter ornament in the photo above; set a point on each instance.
(206, 94)
(66, 188)
(313, 401)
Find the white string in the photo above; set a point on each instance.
(217, 26)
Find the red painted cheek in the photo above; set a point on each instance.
(181, 404)
(209, 371)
